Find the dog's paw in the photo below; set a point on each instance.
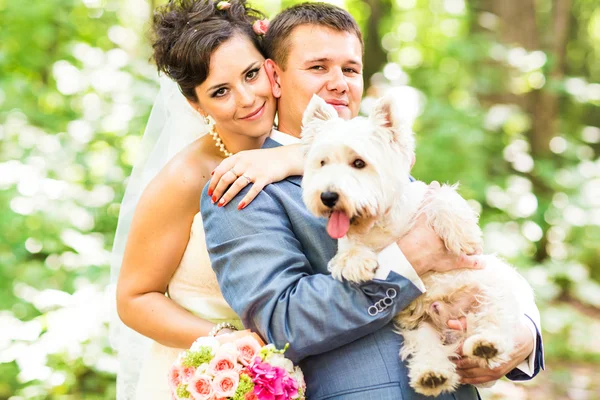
(360, 265)
(356, 264)
(434, 382)
(336, 266)
(490, 352)
(454, 221)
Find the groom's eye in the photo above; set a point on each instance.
(359, 164)
(317, 67)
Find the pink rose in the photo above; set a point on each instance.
(247, 348)
(223, 361)
(223, 5)
(261, 27)
(226, 383)
(250, 396)
(200, 387)
(174, 377)
(187, 373)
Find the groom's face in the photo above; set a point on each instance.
(325, 62)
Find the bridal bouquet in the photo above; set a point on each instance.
(235, 366)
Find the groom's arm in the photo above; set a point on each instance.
(532, 364)
(269, 283)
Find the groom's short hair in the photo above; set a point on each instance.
(277, 40)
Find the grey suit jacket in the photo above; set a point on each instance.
(271, 262)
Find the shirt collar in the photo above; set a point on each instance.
(283, 138)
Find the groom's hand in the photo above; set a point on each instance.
(472, 373)
(426, 252)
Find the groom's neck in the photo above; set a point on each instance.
(289, 129)
(287, 125)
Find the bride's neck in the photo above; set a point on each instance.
(235, 143)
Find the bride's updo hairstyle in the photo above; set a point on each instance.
(186, 32)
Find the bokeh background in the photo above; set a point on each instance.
(507, 100)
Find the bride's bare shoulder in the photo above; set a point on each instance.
(189, 170)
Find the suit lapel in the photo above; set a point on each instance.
(270, 143)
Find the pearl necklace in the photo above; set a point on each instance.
(219, 143)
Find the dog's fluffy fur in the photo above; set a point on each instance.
(364, 164)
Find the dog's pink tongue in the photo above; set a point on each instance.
(338, 225)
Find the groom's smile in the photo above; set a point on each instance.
(341, 106)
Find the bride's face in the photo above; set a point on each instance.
(237, 93)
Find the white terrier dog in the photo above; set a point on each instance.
(357, 175)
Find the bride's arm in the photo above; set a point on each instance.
(157, 240)
(261, 167)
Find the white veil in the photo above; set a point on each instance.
(173, 124)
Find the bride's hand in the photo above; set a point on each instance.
(259, 167)
(233, 336)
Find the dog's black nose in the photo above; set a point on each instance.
(329, 198)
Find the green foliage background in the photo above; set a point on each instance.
(76, 88)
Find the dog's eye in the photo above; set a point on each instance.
(322, 163)
(359, 164)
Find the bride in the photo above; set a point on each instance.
(166, 289)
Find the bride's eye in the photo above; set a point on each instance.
(252, 74)
(220, 93)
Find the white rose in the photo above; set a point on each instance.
(229, 348)
(298, 375)
(201, 370)
(278, 360)
(209, 342)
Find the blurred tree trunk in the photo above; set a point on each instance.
(518, 27)
(375, 56)
(546, 108)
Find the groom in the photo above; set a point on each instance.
(271, 258)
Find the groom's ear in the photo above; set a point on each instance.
(273, 74)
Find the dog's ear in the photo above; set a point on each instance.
(318, 110)
(387, 115)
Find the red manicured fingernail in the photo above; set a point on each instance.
(210, 192)
(214, 199)
(221, 202)
(241, 205)
(212, 173)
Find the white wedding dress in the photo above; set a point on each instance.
(194, 286)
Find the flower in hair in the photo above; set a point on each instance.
(223, 5)
(261, 26)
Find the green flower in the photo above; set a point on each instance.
(197, 358)
(245, 386)
(182, 392)
(269, 350)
